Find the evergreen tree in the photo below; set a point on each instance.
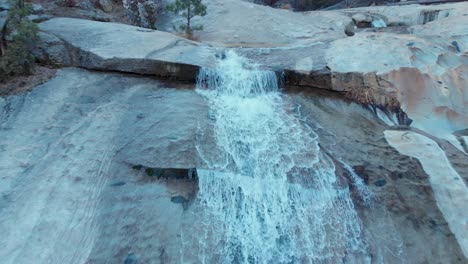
(18, 36)
(188, 9)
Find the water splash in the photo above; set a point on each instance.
(275, 197)
(378, 22)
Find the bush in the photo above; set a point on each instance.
(17, 41)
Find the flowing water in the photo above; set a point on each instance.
(378, 22)
(272, 196)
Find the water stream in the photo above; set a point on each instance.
(272, 196)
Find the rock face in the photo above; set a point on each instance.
(419, 65)
(419, 72)
(90, 141)
(118, 47)
(449, 188)
(67, 150)
(405, 211)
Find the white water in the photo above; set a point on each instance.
(377, 22)
(274, 196)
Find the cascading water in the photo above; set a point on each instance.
(274, 197)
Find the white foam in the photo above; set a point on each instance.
(275, 198)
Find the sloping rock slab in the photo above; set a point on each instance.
(119, 47)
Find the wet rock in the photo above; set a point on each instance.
(455, 44)
(131, 259)
(361, 171)
(118, 184)
(152, 172)
(179, 199)
(380, 183)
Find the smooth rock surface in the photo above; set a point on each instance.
(119, 47)
(238, 23)
(64, 151)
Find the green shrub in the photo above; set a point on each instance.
(19, 35)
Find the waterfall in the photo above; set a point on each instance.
(273, 196)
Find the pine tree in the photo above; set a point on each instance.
(18, 36)
(188, 9)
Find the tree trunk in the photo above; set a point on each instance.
(189, 17)
(3, 41)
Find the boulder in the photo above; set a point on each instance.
(118, 47)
